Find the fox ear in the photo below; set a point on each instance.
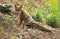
(21, 7)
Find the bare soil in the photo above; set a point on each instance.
(10, 27)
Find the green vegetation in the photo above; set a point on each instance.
(46, 11)
(9, 17)
(12, 37)
(10, 0)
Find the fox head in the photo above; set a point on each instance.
(18, 7)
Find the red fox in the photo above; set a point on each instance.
(26, 19)
(24, 16)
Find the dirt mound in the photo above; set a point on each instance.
(9, 29)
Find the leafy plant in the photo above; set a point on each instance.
(10, 0)
(52, 20)
(12, 37)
